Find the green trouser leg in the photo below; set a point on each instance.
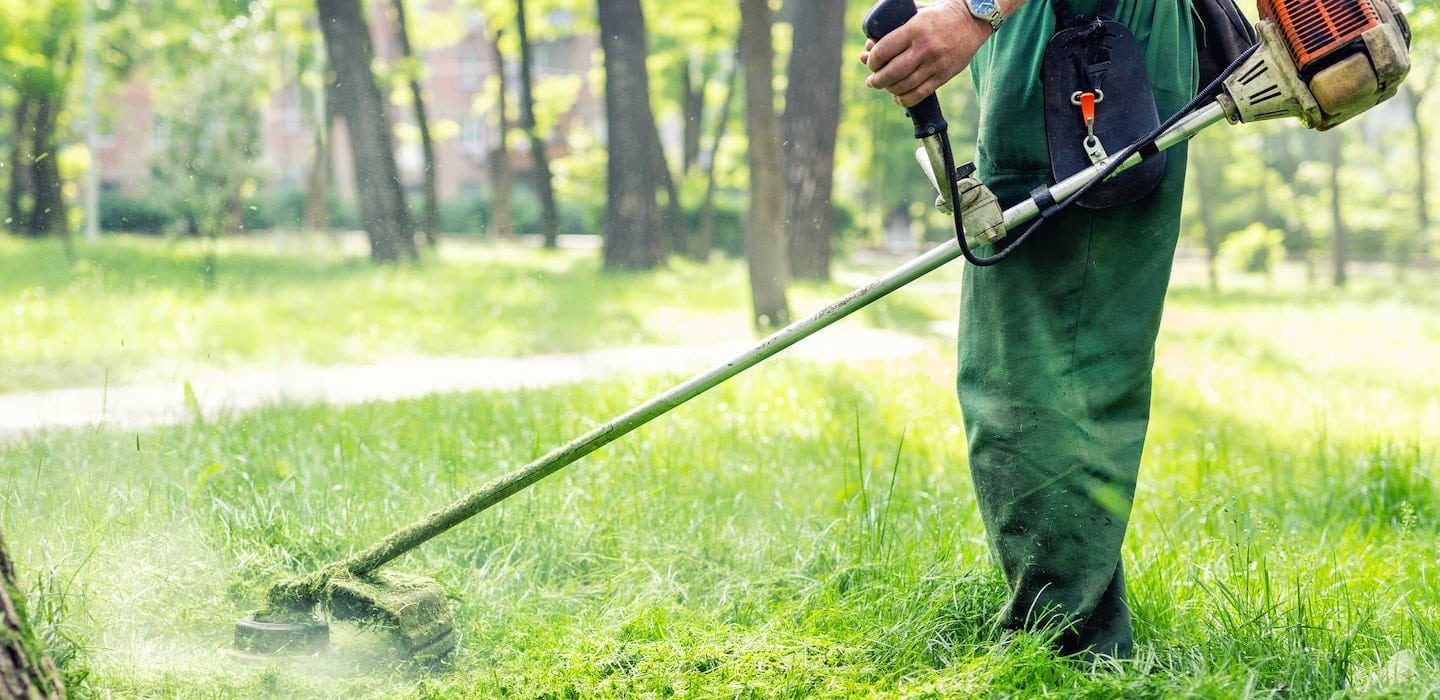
(1055, 356)
(1057, 343)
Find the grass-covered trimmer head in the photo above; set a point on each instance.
(412, 609)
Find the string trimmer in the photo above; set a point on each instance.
(1322, 61)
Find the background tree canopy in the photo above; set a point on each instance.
(1366, 185)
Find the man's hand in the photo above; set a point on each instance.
(921, 55)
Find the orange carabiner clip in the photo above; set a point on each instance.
(1086, 101)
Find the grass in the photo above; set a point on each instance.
(135, 309)
(801, 531)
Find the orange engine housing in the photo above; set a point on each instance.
(1315, 29)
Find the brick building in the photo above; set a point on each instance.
(463, 123)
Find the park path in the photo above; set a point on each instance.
(164, 403)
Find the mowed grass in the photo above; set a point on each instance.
(801, 531)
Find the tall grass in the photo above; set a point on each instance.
(801, 531)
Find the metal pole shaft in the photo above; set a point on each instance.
(1183, 130)
(443, 519)
(438, 521)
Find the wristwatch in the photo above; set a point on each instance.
(987, 11)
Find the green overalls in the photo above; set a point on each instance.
(1057, 342)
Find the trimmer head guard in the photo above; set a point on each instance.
(413, 607)
(297, 636)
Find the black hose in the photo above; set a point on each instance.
(1205, 96)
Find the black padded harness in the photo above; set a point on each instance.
(1093, 67)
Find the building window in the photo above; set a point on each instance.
(469, 68)
(552, 56)
(561, 19)
(474, 21)
(473, 141)
(290, 120)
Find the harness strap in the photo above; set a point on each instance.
(1066, 16)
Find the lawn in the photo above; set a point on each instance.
(804, 530)
(137, 309)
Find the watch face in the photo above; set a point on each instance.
(984, 7)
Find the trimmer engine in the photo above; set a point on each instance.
(1323, 61)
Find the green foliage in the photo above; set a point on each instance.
(471, 214)
(37, 42)
(139, 214)
(1256, 249)
(58, 627)
(286, 210)
(209, 131)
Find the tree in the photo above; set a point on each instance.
(634, 238)
(765, 235)
(1203, 174)
(208, 132)
(358, 100)
(502, 218)
(812, 117)
(422, 122)
(318, 175)
(1333, 150)
(40, 46)
(693, 55)
(544, 180)
(25, 671)
(704, 240)
(1425, 25)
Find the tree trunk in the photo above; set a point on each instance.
(1201, 164)
(358, 98)
(673, 233)
(634, 238)
(1341, 249)
(47, 213)
(704, 240)
(25, 671)
(502, 217)
(812, 117)
(317, 184)
(1422, 174)
(692, 110)
(765, 234)
(544, 181)
(19, 170)
(427, 146)
(317, 180)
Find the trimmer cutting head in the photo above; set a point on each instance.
(301, 635)
(412, 609)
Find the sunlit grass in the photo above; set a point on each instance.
(135, 308)
(801, 531)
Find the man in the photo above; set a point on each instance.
(1057, 342)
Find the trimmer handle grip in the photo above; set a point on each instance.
(885, 17)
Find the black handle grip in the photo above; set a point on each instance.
(884, 17)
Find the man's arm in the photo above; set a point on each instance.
(921, 55)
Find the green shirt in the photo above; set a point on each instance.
(1012, 157)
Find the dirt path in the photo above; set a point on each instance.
(164, 403)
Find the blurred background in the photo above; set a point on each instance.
(490, 118)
